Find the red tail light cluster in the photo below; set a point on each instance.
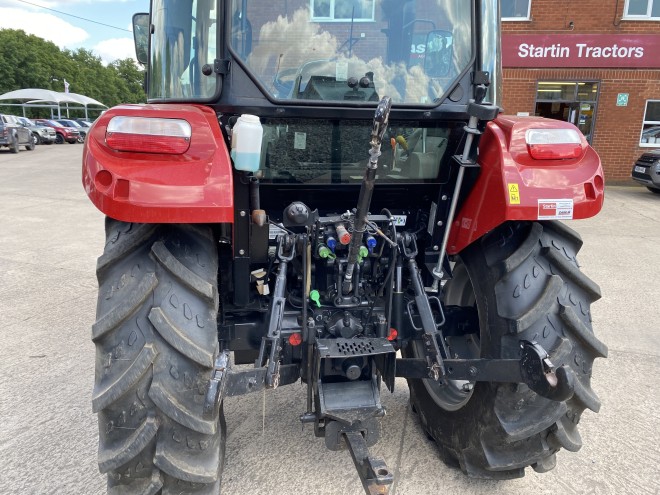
(554, 144)
(148, 135)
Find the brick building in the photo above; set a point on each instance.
(595, 63)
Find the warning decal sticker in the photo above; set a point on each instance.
(555, 209)
(514, 194)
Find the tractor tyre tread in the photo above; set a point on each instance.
(156, 343)
(529, 281)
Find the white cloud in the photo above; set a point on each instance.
(44, 25)
(113, 49)
(63, 33)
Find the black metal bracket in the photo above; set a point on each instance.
(221, 66)
(333, 433)
(432, 337)
(375, 476)
(216, 388)
(226, 383)
(534, 369)
(253, 380)
(272, 343)
(481, 77)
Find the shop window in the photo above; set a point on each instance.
(342, 10)
(642, 10)
(571, 101)
(516, 10)
(651, 125)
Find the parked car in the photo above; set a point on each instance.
(646, 170)
(41, 134)
(68, 134)
(72, 124)
(14, 135)
(85, 122)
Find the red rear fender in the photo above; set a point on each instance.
(192, 187)
(514, 186)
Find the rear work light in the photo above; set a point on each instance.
(148, 135)
(554, 144)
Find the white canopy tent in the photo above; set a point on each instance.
(41, 98)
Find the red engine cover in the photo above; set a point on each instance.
(514, 186)
(193, 187)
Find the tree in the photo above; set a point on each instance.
(131, 78)
(27, 61)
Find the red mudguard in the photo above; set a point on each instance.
(193, 187)
(514, 186)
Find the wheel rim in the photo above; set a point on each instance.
(452, 395)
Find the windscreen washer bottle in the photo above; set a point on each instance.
(246, 138)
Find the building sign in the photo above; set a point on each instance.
(622, 99)
(581, 50)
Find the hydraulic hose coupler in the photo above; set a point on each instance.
(343, 234)
(324, 252)
(362, 254)
(371, 243)
(331, 242)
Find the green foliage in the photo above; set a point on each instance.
(27, 61)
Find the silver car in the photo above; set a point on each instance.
(41, 134)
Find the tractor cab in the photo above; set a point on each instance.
(344, 52)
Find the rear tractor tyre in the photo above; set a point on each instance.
(525, 282)
(156, 345)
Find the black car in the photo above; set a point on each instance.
(646, 170)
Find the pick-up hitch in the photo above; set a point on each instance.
(534, 369)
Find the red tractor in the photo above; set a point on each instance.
(327, 191)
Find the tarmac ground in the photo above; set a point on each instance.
(50, 237)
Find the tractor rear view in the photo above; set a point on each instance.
(328, 192)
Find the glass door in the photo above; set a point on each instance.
(573, 102)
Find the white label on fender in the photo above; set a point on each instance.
(555, 209)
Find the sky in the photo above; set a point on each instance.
(109, 43)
